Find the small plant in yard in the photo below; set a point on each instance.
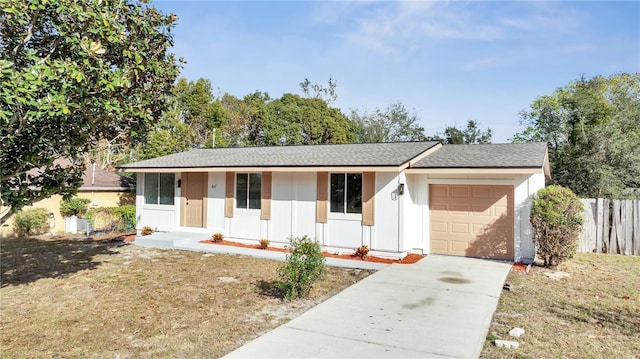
(556, 220)
(217, 237)
(303, 266)
(264, 243)
(75, 206)
(31, 221)
(146, 231)
(362, 251)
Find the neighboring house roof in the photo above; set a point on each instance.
(489, 156)
(334, 155)
(95, 178)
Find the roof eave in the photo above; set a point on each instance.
(476, 170)
(385, 168)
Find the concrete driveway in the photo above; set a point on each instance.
(440, 307)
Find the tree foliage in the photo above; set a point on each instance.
(71, 74)
(556, 221)
(315, 90)
(392, 124)
(472, 134)
(593, 130)
(75, 206)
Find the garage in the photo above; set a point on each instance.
(472, 220)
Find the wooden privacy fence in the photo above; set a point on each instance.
(610, 226)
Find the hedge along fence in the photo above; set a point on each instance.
(610, 226)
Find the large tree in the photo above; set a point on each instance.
(392, 124)
(294, 120)
(593, 130)
(73, 73)
(472, 134)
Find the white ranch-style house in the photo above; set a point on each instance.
(395, 198)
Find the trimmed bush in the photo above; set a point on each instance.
(75, 206)
(556, 220)
(31, 221)
(303, 266)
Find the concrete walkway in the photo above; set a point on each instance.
(440, 307)
(191, 242)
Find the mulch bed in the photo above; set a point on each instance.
(409, 259)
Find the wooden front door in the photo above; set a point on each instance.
(194, 189)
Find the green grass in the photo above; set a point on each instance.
(593, 313)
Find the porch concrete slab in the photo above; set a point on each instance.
(440, 307)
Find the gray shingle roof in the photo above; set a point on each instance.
(504, 155)
(357, 155)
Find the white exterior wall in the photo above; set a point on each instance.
(525, 188)
(293, 206)
(416, 211)
(157, 216)
(215, 203)
(386, 232)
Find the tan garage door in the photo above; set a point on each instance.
(472, 221)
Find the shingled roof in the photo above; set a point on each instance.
(333, 155)
(503, 155)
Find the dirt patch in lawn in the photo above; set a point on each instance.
(105, 298)
(408, 259)
(588, 307)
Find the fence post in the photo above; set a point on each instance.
(628, 227)
(606, 234)
(636, 226)
(599, 224)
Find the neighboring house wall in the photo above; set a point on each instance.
(52, 204)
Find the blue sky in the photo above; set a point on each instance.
(450, 62)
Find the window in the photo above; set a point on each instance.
(248, 190)
(346, 192)
(159, 188)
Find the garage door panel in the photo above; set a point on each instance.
(438, 191)
(460, 191)
(460, 228)
(471, 220)
(439, 245)
(480, 192)
(441, 227)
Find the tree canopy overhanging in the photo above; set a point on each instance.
(593, 130)
(73, 73)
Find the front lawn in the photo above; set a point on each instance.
(101, 298)
(589, 307)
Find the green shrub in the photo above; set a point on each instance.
(75, 206)
(556, 220)
(303, 266)
(31, 221)
(122, 218)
